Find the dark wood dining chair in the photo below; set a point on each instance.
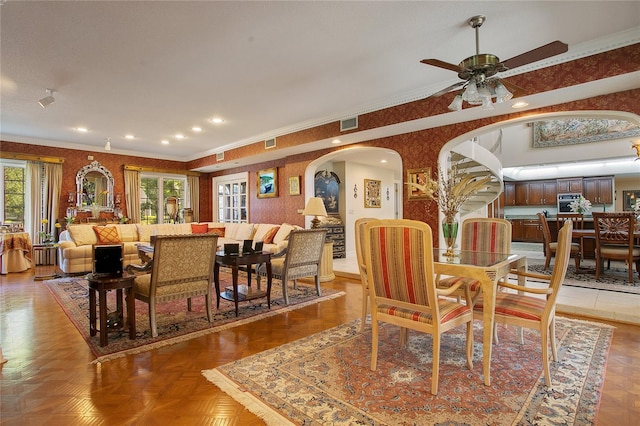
(615, 241)
(550, 246)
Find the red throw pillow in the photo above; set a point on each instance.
(199, 228)
(268, 237)
(107, 234)
(219, 231)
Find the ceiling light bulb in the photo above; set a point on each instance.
(216, 120)
(47, 100)
(456, 104)
(520, 104)
(129, 137)
(196, 129)
(179, 136)
(164, 142)
(82, 129)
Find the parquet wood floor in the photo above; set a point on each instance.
(49, 378)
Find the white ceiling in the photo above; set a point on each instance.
(154, 68)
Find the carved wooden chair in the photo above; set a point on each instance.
(301, 260)
(399, 261)
(614, 240)
(529, 311)
(182, 269)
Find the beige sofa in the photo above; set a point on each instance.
(76, 243)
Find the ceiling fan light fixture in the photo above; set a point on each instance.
(502, 93)
(487, 105)
(456, 104)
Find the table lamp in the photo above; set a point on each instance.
(315, 207)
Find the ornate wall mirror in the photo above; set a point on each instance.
(94, 186)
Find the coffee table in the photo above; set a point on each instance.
(101, 284)
(240, 293)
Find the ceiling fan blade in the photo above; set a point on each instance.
(446, 90)
(542, 52)
(514, 89)
(441, 64)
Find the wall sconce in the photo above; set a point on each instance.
(635, 144)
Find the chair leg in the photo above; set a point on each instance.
(436, 364)
(404, 337)
(318, 290)
(365, 302)
(544, 337)
(189, 304)
(552, 337)
(152, 319)
(547, 261)
(207, 299)
(470, 345)
(285, 293)
(374, 343)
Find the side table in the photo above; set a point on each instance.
(236, 293)
(44, 255)
(102, 284)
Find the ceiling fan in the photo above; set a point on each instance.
(478, 72)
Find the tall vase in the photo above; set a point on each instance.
(450, 233)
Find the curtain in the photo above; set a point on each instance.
(132, 194)
(52, 184)
(33, 201)
(193, 196)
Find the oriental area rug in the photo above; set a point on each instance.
(175, 323)
(325, 379)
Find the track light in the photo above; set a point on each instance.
(107, 146)
(47, 100)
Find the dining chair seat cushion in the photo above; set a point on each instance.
(575, 247)
(516, 305)
(619, 250)
(472, 283)
(449, 310)
(142, 286)
(277, 269)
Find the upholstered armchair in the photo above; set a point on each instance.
(301, 260)
(182, 268)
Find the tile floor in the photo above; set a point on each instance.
(602, 304)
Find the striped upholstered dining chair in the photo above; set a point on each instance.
(481, 235)
(399, 261)
(530, 311)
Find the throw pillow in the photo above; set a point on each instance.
(283, 233)
(197, 228)
(107, 234)
(268, 237)
(219, 231)
(82, 235)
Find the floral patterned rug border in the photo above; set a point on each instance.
(175, 323)
(325, 379)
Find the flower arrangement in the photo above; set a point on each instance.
(452, 190)
(580, 205)
(45, 236)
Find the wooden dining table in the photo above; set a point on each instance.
(488, 268)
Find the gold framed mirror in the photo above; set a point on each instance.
(94, 187)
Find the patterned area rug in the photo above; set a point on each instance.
(325, 379)
(175, 323)
(614, 279)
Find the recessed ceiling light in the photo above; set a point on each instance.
(196, 129)
(164, 142)
(216, 120)
(179, 136)
(383, 161)
(82, 129)
(520, 104)
(336, 141)
(129, 137)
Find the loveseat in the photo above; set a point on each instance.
(76, 242)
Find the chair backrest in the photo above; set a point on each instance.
(304, 251)
(486, 235)
(399, 264)
(576, 218)
(563, 254)
(546, 233)
(182, 259)
(359, 225)
(614, 228)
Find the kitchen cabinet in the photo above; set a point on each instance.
(598, 190)
(542, 193)
(569, 186)
(526, 230)
(509, 194)
(522, 193)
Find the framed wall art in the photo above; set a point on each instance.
(372, 195)
(327, 186)
(294, 185)
(417, 177)
(268, 183)
(629, 200)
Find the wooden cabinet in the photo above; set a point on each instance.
(526, 230)
(542, 193)
(335, 234)
(522, 193)
(509, 194)
(570, 185)
(598, 190)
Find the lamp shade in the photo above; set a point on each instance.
(315, 207)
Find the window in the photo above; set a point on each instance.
(154, 191)
(230, 202)
(13, 192)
